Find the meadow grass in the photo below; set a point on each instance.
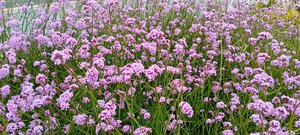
(12, 3)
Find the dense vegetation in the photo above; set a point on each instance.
(154, 67)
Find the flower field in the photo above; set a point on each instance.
(113, 67)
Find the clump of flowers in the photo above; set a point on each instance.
(186, 109)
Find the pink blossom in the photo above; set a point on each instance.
(186, 109)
